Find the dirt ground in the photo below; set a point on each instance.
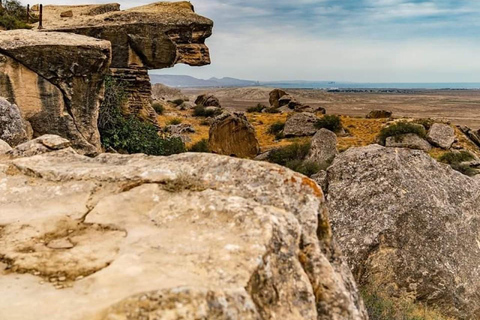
(459, 106)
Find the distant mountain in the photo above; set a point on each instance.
(188, 81)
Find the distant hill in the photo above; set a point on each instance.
(188, 81)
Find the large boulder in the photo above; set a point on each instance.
(408, 140)
(441, 135)
(192, 236)
(324, 148)
(231, 134)
(379, 114)
(408, 224)
(56, 80)
(12, 126)
(300, 125)
(208, 100)
(274, 97)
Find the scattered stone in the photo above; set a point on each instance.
(321, 178)
(317, 109)
(408, 223)
(231, 134)
(12, 126)
(44, 144)
(324, 148)
(275, 96)
(180, 129)
(410, 141)
(379, 114)
(300, 125)
(208, 101)
(66, 14)
(263, 156)
(4, 147)
(441, 135)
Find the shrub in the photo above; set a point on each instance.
(158, 107)
(307, 168)
(258, 108)
(400, 128)
(175, 121)
(128, 133)
(330, 122)
(14, 16)
(201, 146)
(201, 111)
(455, 159)
(276, 128)
(426, 123)
(177, 102)
(293, 157)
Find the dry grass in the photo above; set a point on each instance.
(362, 132)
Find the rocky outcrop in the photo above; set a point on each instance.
(190, 236)
(274, 97)
(408, 224)
(207, 100)
(231, 134)
(473, 135)
(379, 114)
(44, 144)
(441, 135)
(408, 140)
(324, 148)
(300, 125)
(154, 36)
(314, 109)
(12, 126)
(56, 80)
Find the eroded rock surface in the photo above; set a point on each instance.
(301, 125)
(188, 236)
(4, 147)
(324, 148)
(12, 126)
(408, 140)
(408, 224)
(441, 135)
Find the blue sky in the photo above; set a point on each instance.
(341, 40)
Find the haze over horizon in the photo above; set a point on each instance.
(348, 40)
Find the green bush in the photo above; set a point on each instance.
(14, 16)
(258, 108)
(307, 168)
(175, 121)
(158, 107)
(128, 133)
(400, 128)
(293, 157)
(329, 122)
(201, 111)
(276, 128)
(426, 123)
(201, 146)
(455, 159)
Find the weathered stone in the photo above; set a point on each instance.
(181, 131)
(441, 135)
(301, 125)
(56, 80)
(409, 140)
(289, 101)
(324, 148)
(208, 101)
(66, 14)
(44, 144)
(275, 96)
(4, 147)
(408, 223)
(231, 134)
(471, 134)
(236, 240)
(379, 114)
(12, 126)
(321, 179)
(315, 109)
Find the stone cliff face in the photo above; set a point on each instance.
(193, 236)
(56, 80)
(154, 36)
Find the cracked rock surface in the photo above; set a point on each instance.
(192, 236)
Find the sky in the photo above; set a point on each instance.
(338, 40)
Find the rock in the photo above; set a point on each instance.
(315, 109)
(379, 114)
(12, 127)
(207, 101)
(4, 147)
(408, 223)
(56, 80)
(66, 14)
(409, 140)
(289, 101)
(44, 144)
(324, 148)
(441, 135)
(263, 156)
(300, 125)
(181, 131)
(321, 179)
(166, 93)
(190, 236)
(187, 105)
(275, 96)
(231, 134)
(473, 135)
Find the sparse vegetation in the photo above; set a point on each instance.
(201, 111)
(329, 122)
(455, 160)
(128, 133)
(258, 108)
(182, 182)
(13, 15)
(427, 123)
(200, 146)
(175, 121)
(158, 107)
(272, 110)
(400, 128)
(277, 130)
(293, 157)
(177, 102)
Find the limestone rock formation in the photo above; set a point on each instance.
(275, 96)
(4, 147)
(231, 134)
(44, 144)
(408, 223)
(379, 114)
(154, 36)
(12, 126)
(441, 135)
(195, 236)
(409, 140)
(300, 125)
(56, 80)
(208, 100)
(324, 148)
